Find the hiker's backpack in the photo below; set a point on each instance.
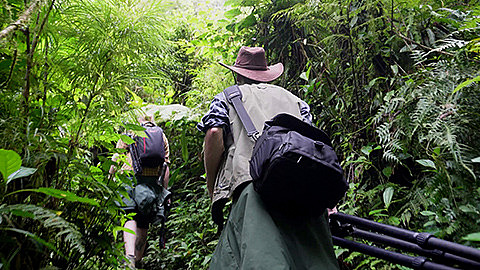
(148, 151)
(293, 165)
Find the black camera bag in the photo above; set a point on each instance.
(293, 165)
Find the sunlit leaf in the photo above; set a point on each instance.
(366, 150)
(126, 139)
(303, 76)
(427, 213)
(61, 194)
(140, 134)
(375, 212)
(387, 196)
(394, 69)
(249, 21)
(466, 83)
(427, 163)
(133, 127)
(10, 162)
(116, 229)
(232, 13)
(22, 172)
(472, 237)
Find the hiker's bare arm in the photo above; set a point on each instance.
(120, 145)
(166, 177)
(113, 169)
(332, 211)
(213, 155)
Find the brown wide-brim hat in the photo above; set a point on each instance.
(251, 63)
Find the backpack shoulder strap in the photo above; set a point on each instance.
(148, 124)
(234, 97)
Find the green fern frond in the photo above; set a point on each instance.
(383, 132)
(389, 108)
(450, 43)
(390, 156)
(49, 220)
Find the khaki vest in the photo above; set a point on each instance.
(262, 102)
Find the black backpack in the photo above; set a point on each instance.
(293, 165)
(148, 151)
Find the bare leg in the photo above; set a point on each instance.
(141, 243)
(135, 244)
(130, 240)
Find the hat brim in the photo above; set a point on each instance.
(268, 75)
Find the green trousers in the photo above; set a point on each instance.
(253, 238)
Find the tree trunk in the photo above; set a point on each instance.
(22, 20)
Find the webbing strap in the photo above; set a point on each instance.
(234, 97)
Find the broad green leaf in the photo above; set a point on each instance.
(374, 212)
(61, 194)
(468, 209)
(394, 221)
(427, 213)
(69, 196)
(22, 172)
(366, 150)
(249, 21)
(116, 229)
(394, 69)
(126, 139)
(387, 171)
(133, 127)
(10, 162)
(466, 83)
(472, 237)
(304, 76)
(120, 228)
(232, 13)
(340, 251)
(21, 213)
(427, 163)
(140, 133)
(387, 196)
(476, 160)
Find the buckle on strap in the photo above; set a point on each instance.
(253, 135)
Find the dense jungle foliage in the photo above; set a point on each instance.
(394, 83)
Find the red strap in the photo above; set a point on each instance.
(144, 146)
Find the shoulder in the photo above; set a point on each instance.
(217, 115)
(270, 89)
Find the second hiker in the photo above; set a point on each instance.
(148, 160)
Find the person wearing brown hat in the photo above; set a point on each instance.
(255, 237)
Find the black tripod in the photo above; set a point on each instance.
(434, 253)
